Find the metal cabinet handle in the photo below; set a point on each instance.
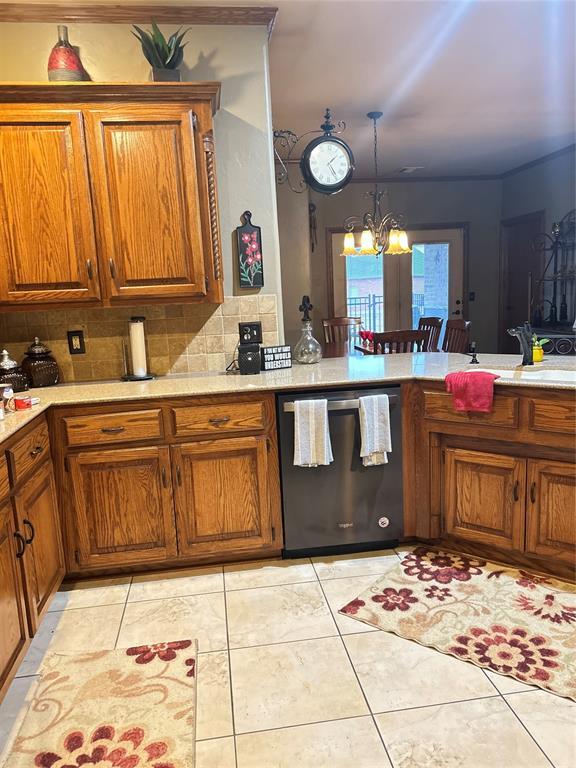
(21, 544)
(89, 269)
(178, 476)
(533, 493)
(36, 450)
(164, 477)
(112, 430)
(32, 531)
(112, 268)
(516, 490)
(221, 420)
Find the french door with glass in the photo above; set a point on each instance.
(391, 292)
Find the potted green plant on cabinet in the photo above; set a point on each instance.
(164, 56)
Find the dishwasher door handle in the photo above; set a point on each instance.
(340, 405)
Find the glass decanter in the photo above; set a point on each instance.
(307, 349)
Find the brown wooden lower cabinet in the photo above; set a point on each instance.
(551, 510)
(13, 629)
(43, 560)
(122, 509)
(484, 497)
(517, 504)
(222, 499)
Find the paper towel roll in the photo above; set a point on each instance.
(138, 347)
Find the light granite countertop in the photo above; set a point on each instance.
(331, 372)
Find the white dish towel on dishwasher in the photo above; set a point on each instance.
(375, 430)
(312, 447)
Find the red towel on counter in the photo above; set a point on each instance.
(471, 390)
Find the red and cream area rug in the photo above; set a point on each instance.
(506, 620)
(131, 708)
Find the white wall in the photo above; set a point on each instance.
(235, 55)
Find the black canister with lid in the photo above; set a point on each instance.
(11, 373)
(39, 366)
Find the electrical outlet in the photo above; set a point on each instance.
(76, 345)
(250, 333)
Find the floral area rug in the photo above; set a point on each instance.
(131, 708)
(506, 620)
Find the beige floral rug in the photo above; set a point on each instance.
(506, 620)
(131, 708)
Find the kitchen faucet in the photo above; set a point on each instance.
(524, 335)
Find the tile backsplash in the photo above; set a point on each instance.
(181, 338)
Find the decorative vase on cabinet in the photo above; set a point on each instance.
(64, 64)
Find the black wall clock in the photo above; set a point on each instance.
(327, 162)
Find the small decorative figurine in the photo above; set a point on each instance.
(307, 349)
(250, 253)
(64, 64)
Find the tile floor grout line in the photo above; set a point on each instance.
(526, 729)
(436, 704)
(378, 731)
(285, 642)
(120, 626)
(230, 673)
(503, 697)
(295, 725)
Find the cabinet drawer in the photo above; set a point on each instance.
(547, 416)
(113, 427)
(225, 417)
(29, 452)
(438, 405)
(4, 482)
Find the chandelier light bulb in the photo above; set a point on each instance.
(367, 243)
(403, 241)
(349, 244)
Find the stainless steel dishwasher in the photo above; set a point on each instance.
(344, 507)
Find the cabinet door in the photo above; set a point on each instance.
(13, 633)
(147, 202)
(551, 525)
(222, 500)
(46, 225)
(43, 561)
(484, 497)
(123, 512)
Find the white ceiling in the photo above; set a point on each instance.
(467, 87)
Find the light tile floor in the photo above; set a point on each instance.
(286, 682)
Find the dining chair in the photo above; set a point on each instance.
(400, 341)
(434, 326)
(456, 336)
(340, 328)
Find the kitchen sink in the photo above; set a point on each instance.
(521, 374)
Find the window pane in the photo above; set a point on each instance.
(364, 290)
(430, 273)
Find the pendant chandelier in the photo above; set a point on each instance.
(381, 233)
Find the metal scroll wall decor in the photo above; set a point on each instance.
(553, 293)
(288, 146)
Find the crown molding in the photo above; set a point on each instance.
(539, 160)
(61, 13)
(89, 92)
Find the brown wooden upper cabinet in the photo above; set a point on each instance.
(46, 226)
(108, 194)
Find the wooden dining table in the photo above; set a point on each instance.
(341, 349)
